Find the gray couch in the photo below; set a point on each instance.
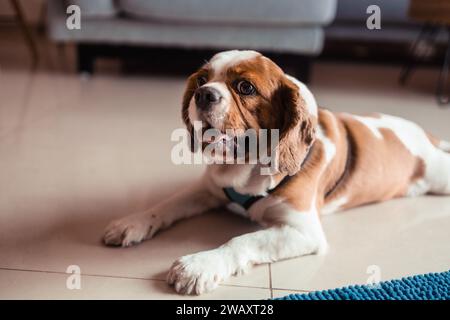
(286, 26)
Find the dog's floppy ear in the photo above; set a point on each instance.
(188, 93)
(297, 128)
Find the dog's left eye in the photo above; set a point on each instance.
(246, 88)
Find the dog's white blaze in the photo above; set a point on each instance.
(310, 101)
(334, 205)
(226, 59)
(221, 87)
(220, 110)
(329, 146)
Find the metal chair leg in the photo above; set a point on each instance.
(27, 32)
(428, 31)
(442, 93)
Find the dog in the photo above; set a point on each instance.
(327, 162)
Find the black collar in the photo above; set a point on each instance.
(247, 200)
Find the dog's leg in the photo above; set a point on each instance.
(137, 227)
(300, 234)
(438, 172)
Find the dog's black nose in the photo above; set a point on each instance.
(206, 97)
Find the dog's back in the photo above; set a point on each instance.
(384, 157)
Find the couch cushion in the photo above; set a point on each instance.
(95, 9)
(300, 40)
(231, 12)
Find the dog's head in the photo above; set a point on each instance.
(242, 90)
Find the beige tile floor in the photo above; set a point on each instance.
(76, 153)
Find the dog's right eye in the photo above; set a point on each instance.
(201, 81)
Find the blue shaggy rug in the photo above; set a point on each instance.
(430, 286)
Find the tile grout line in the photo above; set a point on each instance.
(294, 290)
(84, 274)
(270, 281)
(120, 277)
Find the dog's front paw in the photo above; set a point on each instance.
(131, 230)
(199, 273)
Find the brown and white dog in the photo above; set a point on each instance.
(335, 161)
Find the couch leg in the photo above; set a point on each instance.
(86, 58)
